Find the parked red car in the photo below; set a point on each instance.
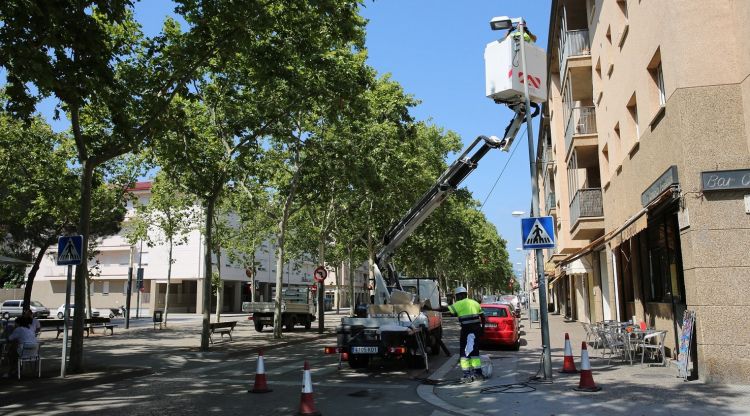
(501, 326)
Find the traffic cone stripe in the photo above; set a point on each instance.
(586, 383)
(569, 366)
(306, 403)
(261, 384)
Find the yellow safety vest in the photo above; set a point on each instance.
(516, 34)
(467, 310)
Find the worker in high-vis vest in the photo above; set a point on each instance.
(471, 318)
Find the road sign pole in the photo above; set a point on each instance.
(539, 255)
(66, 316)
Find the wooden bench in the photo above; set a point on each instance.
(89, 325)
(221, 328)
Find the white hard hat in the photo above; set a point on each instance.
(460, 289)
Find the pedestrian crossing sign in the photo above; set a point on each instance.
(69, 249)
(537, 232)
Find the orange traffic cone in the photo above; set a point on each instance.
(306, 403)
(569, 366)
(587, 379)
(261, 385)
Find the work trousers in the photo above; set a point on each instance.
(469, 345)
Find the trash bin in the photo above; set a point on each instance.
(158, 318)
(534, 314)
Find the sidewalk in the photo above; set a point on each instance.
(143, 350)
(626, 389)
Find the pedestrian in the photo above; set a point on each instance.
(471, 318)
(36, 326)
(22, 334)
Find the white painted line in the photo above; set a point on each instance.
(427, 392)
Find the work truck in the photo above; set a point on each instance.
(297, 308)
(397, 326)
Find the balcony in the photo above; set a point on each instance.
(587, 214)
(574, 44)
(581, 124)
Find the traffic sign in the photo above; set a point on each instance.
(313, 288)
(69, 249)
(320, 274)
(537, 232)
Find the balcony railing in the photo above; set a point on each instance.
(549, 202)
(574, 43)
(586, 203)
(581, 120)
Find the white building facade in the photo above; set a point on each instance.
(116, 256)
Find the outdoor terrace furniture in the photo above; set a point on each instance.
(221, 328)
(29, 355)
(654, 342)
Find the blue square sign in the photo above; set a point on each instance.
(537, 232)
(69, 249)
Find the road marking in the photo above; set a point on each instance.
(427, 392)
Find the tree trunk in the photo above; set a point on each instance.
(219, 286)
(207, 272)
(76, 344)
(280, 248)
(321, 285)
(30, 278)
(371, 261)
(252, 277)
(89, 314)
(169, 281)
(339, 268)
(350, 277)
(277, 322)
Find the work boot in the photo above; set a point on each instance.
(479, 376)
(467, 378)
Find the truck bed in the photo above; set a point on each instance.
(269, 307)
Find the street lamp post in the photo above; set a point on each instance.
(504, 23)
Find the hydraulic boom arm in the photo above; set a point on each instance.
(434, 197)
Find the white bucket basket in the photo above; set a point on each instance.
(486, 366)
(504, 77)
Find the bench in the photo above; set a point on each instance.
(221, 328)
(89, 325)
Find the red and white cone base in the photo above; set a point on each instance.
(306, 402)
(569, 366)
(586, 382)
(261, 384)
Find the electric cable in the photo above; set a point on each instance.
(502, 170)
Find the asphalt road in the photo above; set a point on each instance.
(207, 383)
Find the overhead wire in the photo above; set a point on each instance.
(502, 170)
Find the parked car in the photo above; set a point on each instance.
(61, 311)
(501, 326)
(13, 308)
(513, 300)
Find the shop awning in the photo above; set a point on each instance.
(577, 266)
(632, 226)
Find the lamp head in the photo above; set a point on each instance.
(503, 22)
(500, 23)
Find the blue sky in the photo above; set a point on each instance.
(435, 48)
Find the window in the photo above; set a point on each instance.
(665, 281)
(495, 312)
(105, 288)
(660, 86)
(632, 107)
(658, 96)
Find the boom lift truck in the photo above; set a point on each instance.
(394, 326)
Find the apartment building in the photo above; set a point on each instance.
(645, 164)
(115, 257)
